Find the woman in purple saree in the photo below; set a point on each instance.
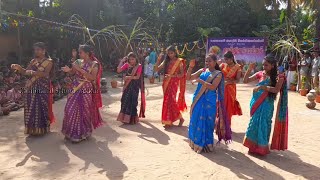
(81, 113)
(38, 114)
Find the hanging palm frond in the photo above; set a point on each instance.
(288, 44)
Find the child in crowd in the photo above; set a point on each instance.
(5, 103)
(15, 95)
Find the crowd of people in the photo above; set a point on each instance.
(303, 70)
(13, 84)
(214, 101)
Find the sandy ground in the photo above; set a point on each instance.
(148, 151)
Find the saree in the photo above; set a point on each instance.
(172, 108)
(129, 100)
(230, 95)
(208, 111)
(280, 131)
(81, 113)
(38, 114)
(259, 129)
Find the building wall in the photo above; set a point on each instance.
(8, 43)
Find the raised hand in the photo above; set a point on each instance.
(123, 60)
(252, 66)
(16, 67)
(160, 57)
(192, 63)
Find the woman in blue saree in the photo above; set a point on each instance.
(262, 107)
(208, 107)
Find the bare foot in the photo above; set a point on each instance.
(181, 122)
(166, 126)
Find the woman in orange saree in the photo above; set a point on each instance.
(232, 73)
(175, 77)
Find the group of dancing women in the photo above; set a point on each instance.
(213, 105)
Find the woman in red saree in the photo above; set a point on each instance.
(175, 77)
(232, 73)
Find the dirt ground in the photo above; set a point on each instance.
(148, 151)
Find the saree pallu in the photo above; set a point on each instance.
(129, 102)
(258, 132)
(38, 99)
(207, 112)
(81, 114)
(37, 108)
(230, 96)
(280, 131)
(231, 102)
(171, 107)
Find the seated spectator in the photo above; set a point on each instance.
(10, 79)
(15, 95)
(4, 111)
(5, 104)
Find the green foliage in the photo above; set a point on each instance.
(303, 82)
(179, 21)
(295, 81)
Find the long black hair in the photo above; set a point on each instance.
(42, 46)
(230, 55)
(87, 49)
(214, 58)
(273, 73)
(167, 58)
(77, 55)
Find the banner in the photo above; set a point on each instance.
(249, 49)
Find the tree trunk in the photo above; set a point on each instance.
(289, 9)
